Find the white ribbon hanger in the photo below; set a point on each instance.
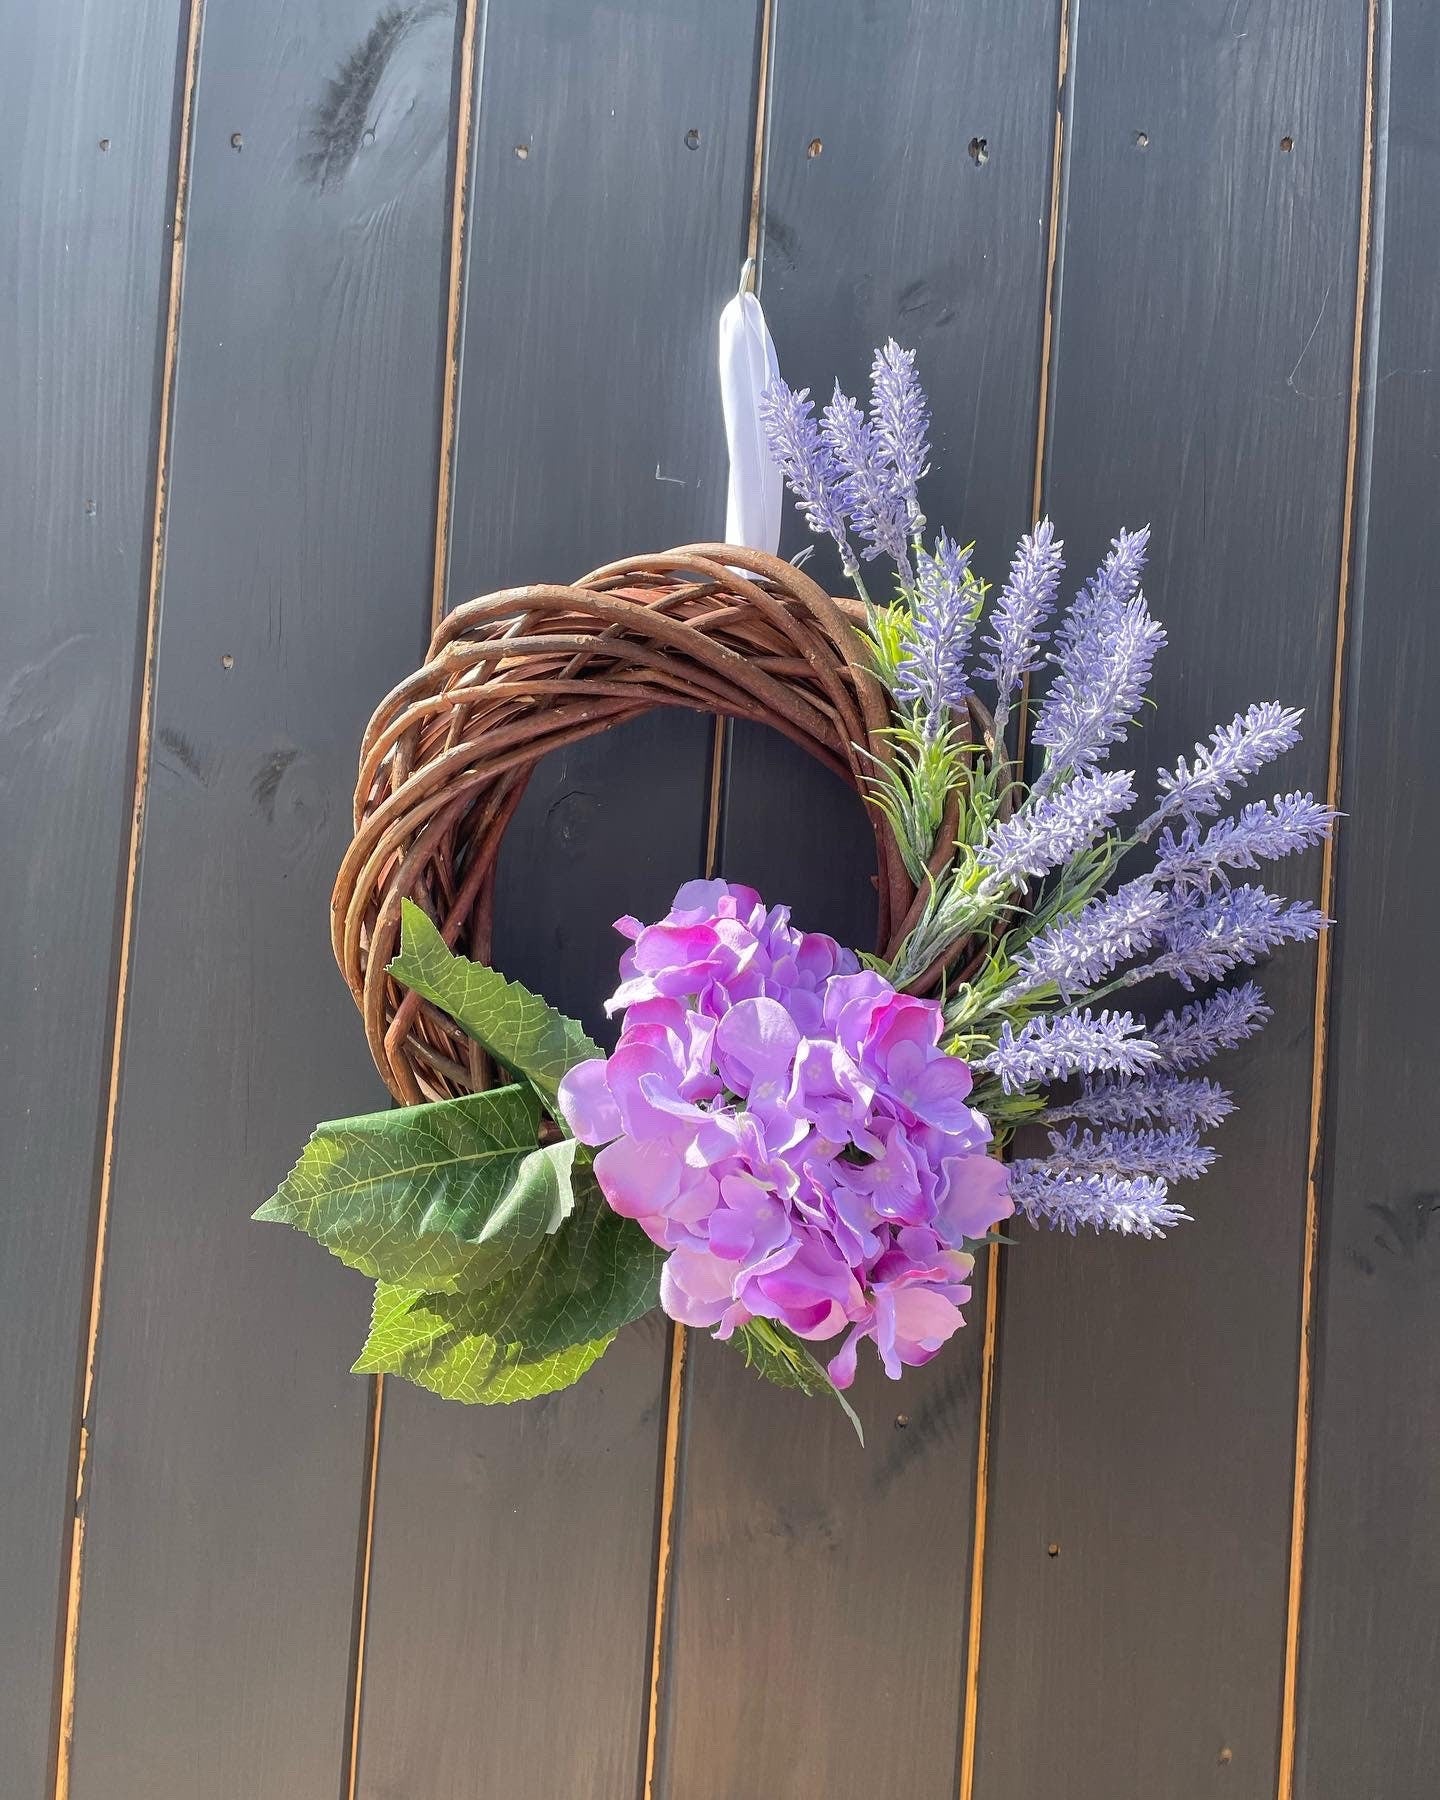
(747, 367)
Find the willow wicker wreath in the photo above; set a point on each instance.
(517, 674)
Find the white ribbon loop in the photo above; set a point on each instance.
(747, 367)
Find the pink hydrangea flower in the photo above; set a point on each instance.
(786, 1125)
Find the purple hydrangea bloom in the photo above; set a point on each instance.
(1236, 751)
(808, 464)
(787, 1127)
(1054, 828)
(1104, 651)
(1049, 1194)
(901, 417)
(1054, 1046)
(872, 496)
(931, 675)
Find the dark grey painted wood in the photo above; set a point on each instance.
(511, 1589)
(86, 156)
(1145, 1414)
(1370, 1657)
(820, 1591)
(228, 1438)
(1145, 1406)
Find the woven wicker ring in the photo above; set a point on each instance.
(515, 675)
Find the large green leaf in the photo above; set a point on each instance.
(451, 1195)
(595, 1274)
(531, 1039)
(777, 1354)
(404, 1340)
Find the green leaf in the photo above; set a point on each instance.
(595, 1274)
(544, 1321)
(471, 1368)
(777, 1354)
(451, 1195)
(531, 1039)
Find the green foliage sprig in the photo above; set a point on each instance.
(501, 1273)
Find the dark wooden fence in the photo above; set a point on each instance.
(284, 285)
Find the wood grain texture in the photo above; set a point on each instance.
(816, 1584)
(1135, 1610)
(86, 148)
(588, 426)
(1370, 1656)
(228, 1441)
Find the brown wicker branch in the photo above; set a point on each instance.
(515, 675)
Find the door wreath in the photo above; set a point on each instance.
(792, 1143)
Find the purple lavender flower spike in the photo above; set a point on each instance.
(1199, 1031)
(1104, 651)
(1078, 952)
(931, 674)
(901, 416)
(871, 495)
(1137, 1205)
(808, 464)
(1017, 620)
(1161, 1099)
(1055, 828)
(1260, 832)
(1119, 574)
(1235, 752)
(1206, 937)
(1057, 1045)
(1173, 1153)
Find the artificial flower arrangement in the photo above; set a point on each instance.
(796, 1145)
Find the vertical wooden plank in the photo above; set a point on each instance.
(817, 1585)
(218, 1577)
(87, 153)
(1135, 1616)
(512, 1577)
(1370, 1658)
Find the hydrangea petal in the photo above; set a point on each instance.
(586, 1103)
(695, 1287)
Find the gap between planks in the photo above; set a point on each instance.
(970, 1720)
(365, 1557)
(665, 1540)
(1304, 1385)
(675, 1380)
(719, 746)
(472, 50)
(74, 1570)
(675, 1383)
